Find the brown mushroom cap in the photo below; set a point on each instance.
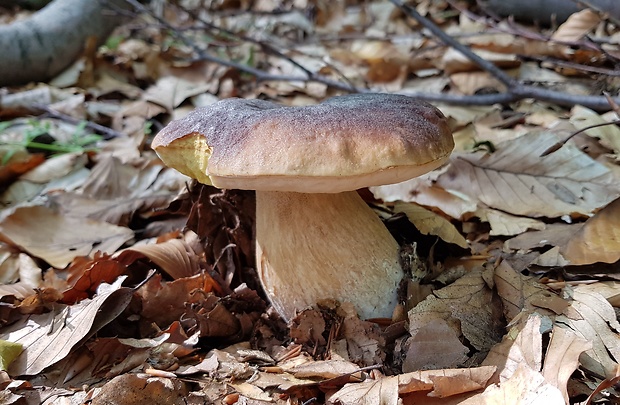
(342, 144)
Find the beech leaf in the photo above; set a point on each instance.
(48, 338)
(517, 180)
(430, 223)
(59, 239)
(598, 240)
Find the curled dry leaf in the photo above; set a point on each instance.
(577, 25)
(515, 179)
(508, 225)
(598, 240)
(59, 239)
(521, 345)
(430, 223)
(174, 256)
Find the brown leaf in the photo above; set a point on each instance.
(525, 387)
(468, 305)
(434, 346)
(577, 25)
(324, 369)
(591, 317)
(430, 223)
(164, 302)
(445, 382)
(49, 337)
(598, 240)
(515, 179)
(131, 389)
(58, 239)
(562, 358)
(371, 392)
(521, 293)
(521, 345)
(174, 256)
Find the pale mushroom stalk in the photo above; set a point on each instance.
(316, 246)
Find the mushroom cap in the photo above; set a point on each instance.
(341, 144)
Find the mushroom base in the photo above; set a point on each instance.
(325, 246)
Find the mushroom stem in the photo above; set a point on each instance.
(320, 246)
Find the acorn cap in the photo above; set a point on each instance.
(342, 144)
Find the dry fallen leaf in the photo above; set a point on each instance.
(609, 135)
(562, 358)
(48, 338)
(521, 293)
(524, 387)
(591, 317)
(515, 179)
(468, 306)
(577, 25)
(434, 346)
(430, 223)
(58, 239)
(598, 240)
(370, 392)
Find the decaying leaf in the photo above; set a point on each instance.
(517, 180)
(48, 338)
(58, 239)
(468, 306)
(521, 293)
(434, 346)
(598, 240)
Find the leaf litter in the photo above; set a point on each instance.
(121, 284)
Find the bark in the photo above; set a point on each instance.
(39, 48)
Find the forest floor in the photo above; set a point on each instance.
(121, 281)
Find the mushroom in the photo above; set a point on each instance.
(315, 236)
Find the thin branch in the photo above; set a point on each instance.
(448, 40)
(515, 90)
(108, 133)
(559, 144)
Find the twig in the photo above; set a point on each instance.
(515, 89)
(572, 65)
(448, 40)
(108, 133)
(559, 144)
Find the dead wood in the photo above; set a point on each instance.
(40, 47)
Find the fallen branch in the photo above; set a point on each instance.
(515, 89)
(42, 46)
